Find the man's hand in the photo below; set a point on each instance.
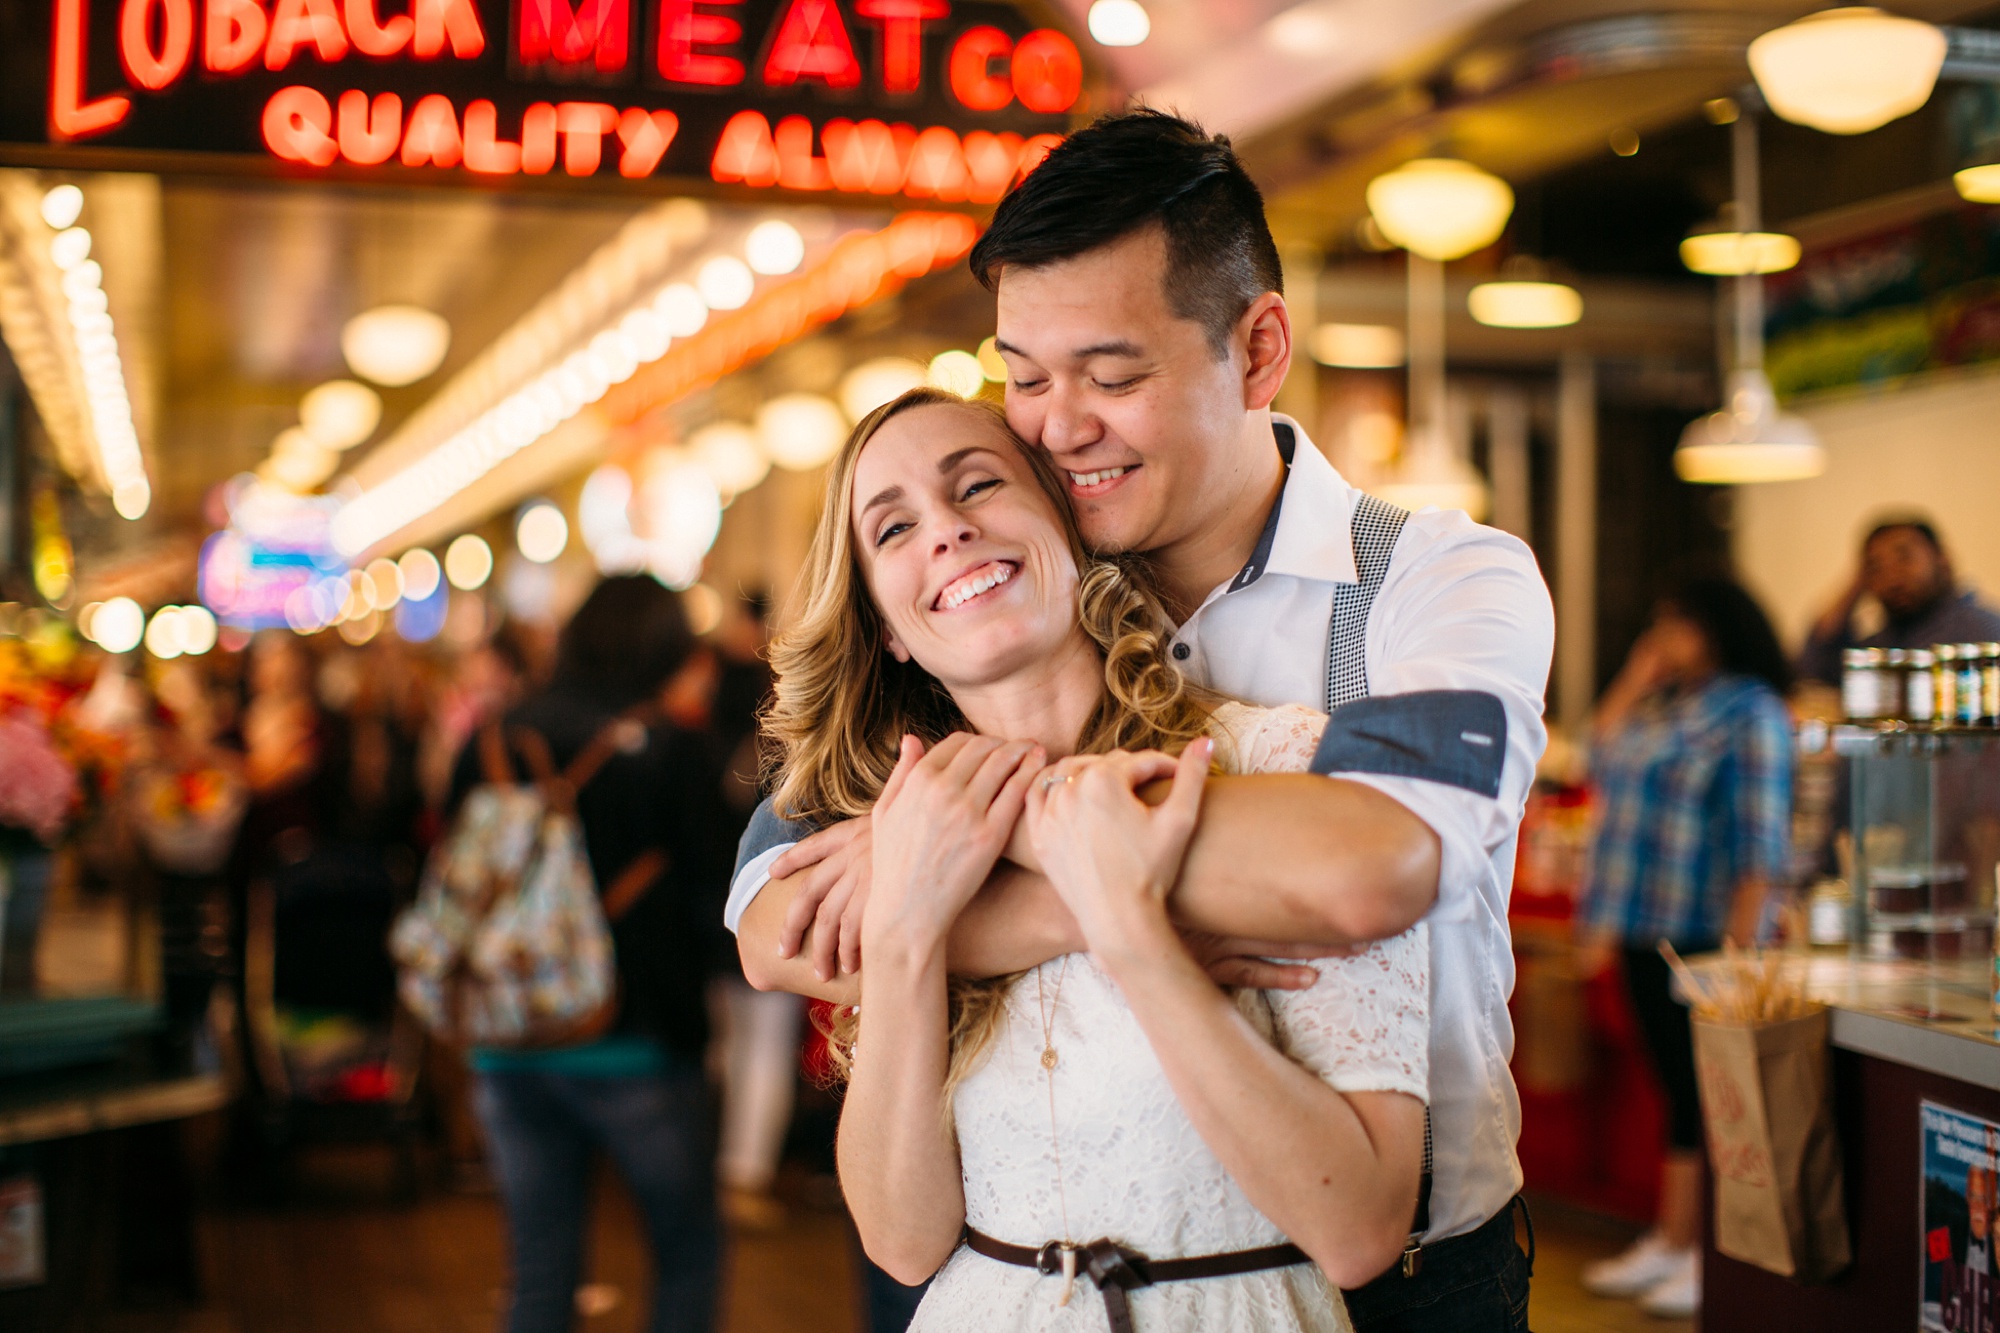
(834, 889)
(1249, 965)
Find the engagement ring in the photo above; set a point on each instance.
(1050, 783)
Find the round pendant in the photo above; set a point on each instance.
(1048, 1057)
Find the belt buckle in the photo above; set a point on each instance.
(1048, 1259)
(1413, 1257)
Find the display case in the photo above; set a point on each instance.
(1923, 839)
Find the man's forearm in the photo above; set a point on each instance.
(1303, 859)
(1012, 924)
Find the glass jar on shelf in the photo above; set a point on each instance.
(1924, 814)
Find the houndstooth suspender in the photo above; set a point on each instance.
(1377, 525)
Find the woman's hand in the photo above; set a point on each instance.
(940, 824)
(1112, 857)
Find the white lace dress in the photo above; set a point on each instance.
(1132, 1166)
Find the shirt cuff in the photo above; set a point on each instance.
(750, 882)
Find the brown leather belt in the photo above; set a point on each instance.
(1115, 1270)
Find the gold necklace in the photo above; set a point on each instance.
(1047, 1014)
(1048, 1017)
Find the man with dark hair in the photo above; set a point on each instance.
(1146, 335)
(1906, 569)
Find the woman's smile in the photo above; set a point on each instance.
(973, 586)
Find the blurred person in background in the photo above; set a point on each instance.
(1692, 760)
(637, 1093)
(1907, 571)
(485, 681)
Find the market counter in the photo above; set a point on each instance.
(1904, 1034)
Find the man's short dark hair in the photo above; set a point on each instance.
(1917, 523)
(1139, 169)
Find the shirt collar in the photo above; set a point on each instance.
(1307, 534)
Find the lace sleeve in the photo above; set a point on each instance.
(1266, 740)
(1365, 1025)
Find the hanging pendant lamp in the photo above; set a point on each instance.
(1848, 70)
(1749, 440)
(1437, 209)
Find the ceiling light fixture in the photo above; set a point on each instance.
(468, 561)
(482, 418)
(1440, 208)
(340, 414)
(395, 344)
(731, 455)
(1723, 249)
(420, 573)
(725, 283)
(1433, 469)
(1525, 305)
(118, 625)
(956, 372)
(1358, 346)
(800, 431)
(873, 383)
(107, 403)
(1978, 184)
(1525, 297)
(1119, 23)
(774, 247)
(541, 532)
(1749, 440)
(1848, 70)
(62, 206)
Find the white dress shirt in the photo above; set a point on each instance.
(1462, 608)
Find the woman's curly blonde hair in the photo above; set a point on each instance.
(842, 704)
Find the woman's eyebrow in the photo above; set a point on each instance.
(885, 497)
(957, 456)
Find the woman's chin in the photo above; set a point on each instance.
(986, 655)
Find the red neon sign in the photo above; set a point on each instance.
(812, 44)
(686, 30)
(146, 65)
(700, 43)
(70, 117)
(874, 158)
(902, 23)
(374, 36)
(300, 125)
(233, 32)
(595, 31)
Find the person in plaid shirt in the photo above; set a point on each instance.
(1692, 760)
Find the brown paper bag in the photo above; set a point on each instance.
(1767, 1100)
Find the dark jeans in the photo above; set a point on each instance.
(1474, 1283)
(541, 1128)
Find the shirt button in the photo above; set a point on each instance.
(1181, 651)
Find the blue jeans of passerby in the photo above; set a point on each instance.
(541, 1128)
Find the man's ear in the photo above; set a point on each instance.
(1265, 333)
(894, 645)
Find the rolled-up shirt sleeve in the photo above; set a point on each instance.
(1458, 659)
(763, 842)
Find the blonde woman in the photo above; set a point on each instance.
(1107, 1138)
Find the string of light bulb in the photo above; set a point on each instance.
(624, 341)
(94, 336)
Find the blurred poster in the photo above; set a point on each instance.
(21, 1253)
(1961, 1157)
